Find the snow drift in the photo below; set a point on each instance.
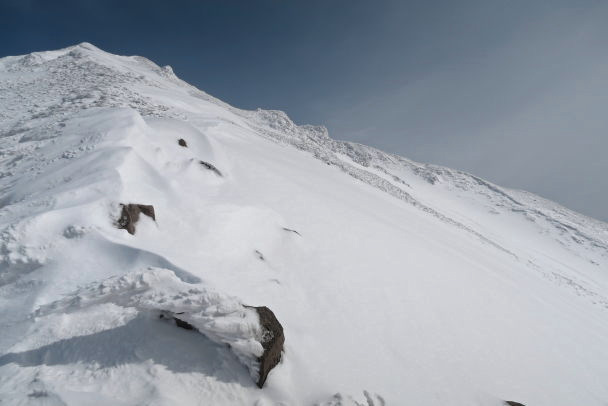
(396, 282)
(222, 319)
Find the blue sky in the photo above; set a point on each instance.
(513, 91)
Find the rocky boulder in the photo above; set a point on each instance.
(130, 215)
(272, 340)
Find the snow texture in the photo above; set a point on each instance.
(221, 319)
(395, 282)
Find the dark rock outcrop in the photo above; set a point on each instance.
(211, 167)
(182, 143)
(130, 215)
(512, 403)
(272, 341)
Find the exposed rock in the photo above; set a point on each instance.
(183, 324)
(512, 403)
(260, 255)
(211, 167)
(130, 215)
(178, 322)
(292, 231)
(272, 341)
(182, 143)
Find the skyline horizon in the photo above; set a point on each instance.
(512, 93)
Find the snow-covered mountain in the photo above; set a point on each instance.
(396, 283)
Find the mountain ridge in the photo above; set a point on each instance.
(379, 238)
(274, 119)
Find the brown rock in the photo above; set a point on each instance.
(182, 142)
(130, 215)
(272, 341)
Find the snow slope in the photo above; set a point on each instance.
(396, 282)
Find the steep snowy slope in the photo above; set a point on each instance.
(396, 282)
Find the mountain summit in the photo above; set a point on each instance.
(132, 204)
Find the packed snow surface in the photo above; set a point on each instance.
(396, 282)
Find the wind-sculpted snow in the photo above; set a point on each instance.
(363, 163)
(395, 282)
(220, 318)
(100, 85)
(379, 169)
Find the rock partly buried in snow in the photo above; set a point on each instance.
(512, 403)
(253, 334)
(179, 322)
(182, 143)
(211, 167)
(291, 230)
(130, 215)
(260, 255)
(272, 341)
(271, 338)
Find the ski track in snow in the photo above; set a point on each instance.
(395, 281)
